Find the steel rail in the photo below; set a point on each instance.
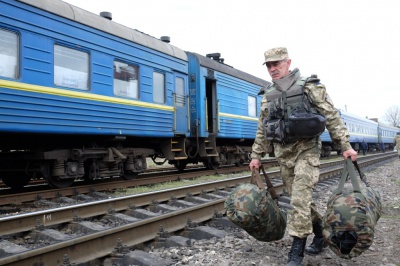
(100, 244)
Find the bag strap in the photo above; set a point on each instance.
(270, 187)
(362, 175)
(348, 170)
(256, 179)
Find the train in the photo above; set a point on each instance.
(378, 136)
(85, 98)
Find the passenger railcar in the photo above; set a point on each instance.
(226, 101)
(82, 97)
(378, 136)
(386, 136)
(360, 129)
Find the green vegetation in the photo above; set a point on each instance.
(175, 184)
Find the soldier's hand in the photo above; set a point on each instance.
(255, 163)
(350, 153)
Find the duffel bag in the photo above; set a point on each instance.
(351, 215)
(252, 207)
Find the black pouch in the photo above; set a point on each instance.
(305, 124)
(275, 130)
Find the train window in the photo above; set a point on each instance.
(252, 105)
(179, 92)
(158, 87)
(126, 80)
(71, 68)
(9, 63)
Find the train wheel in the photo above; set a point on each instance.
(16, 180)
(239, 163)
(211, 164)
(55, 182)
(129, 175)
(180, 165)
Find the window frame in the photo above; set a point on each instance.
(17, 67)
(156, 88)
(250, 110)
(72, 71)
(135, 94)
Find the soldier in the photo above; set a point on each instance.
(396, 141)
(364, 147)
(297, 148)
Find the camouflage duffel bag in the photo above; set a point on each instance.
(351, 215)
(251, 207)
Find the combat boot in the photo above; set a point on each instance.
(296, 253)
(318, 242)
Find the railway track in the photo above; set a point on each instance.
(43, 192)
(39, 190)
(101, 228)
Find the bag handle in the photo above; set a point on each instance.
(256, 179)
(348, 170)
(362, 175)
(270, 187)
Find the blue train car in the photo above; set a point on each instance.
(76, 87)
(360, 129)
(386, 136)
(378, 136)
(82, 97)
(224, 109)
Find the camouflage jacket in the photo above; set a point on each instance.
(290, 151)
(396, 140)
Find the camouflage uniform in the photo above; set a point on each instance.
(396, 141)
(299, 160)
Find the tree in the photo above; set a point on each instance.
(392, 116)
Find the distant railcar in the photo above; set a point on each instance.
(361, 129)
(386, 136)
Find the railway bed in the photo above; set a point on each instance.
(100, 228)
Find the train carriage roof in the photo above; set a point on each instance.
(87, 18)
(215, 65)
(389, 127)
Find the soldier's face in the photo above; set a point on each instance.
(278, 69)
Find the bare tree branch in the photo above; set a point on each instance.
(392, 116)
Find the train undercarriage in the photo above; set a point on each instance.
(62, 167)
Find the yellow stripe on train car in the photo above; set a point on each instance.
(239, 116)
(79, 95)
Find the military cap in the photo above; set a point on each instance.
(276, 54)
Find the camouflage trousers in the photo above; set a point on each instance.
(300, 181)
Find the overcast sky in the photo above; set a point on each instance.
(352, 45)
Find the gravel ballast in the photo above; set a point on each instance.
(239, 248)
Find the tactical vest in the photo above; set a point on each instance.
(291, 117)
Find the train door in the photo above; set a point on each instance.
(211, 106)
(181, 105)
